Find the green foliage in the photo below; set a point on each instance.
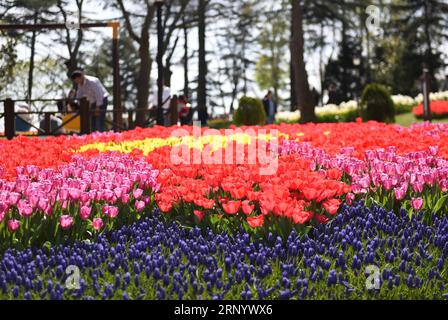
(434, 116)
(102, 68)
(250, 112)
(8, 59)
(349, 116)
(272, 69)
(403, 108)
(219, 124)
(377, 104)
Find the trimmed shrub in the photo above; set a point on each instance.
(250, 112)
(377, 104)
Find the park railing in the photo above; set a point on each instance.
(146, 117)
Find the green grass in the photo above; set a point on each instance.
(407, 119)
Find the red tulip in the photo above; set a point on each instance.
(199, 214)
(247, 207)
(231, 207)
(300, 217)
(332, 206)
(255, 222)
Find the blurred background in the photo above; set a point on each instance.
(316, 57)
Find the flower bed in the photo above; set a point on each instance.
(74, 202)
(152, 259)
(329, 199)
(439, 110)
(348, 111)
(305, 189)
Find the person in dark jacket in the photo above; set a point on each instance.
(270, 107)
(334, 95)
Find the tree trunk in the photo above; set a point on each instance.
(303, 93)
(167, 73)
(186, 61)
(429, 57)
(245, 67)
(345, 53)
(143, 80)
(202, 78)
(292, 82)
(32, 55)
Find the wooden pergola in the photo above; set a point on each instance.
(118, 110)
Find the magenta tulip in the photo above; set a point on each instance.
(97, 223)
(417, 203)
(66, 222)
(13, 225)
(85, 212)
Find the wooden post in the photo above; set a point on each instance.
(84, 113)
(10, 119)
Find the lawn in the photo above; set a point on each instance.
(407, 119)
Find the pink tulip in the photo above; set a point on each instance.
(13, 225)
(63, 194)
(66, 222)
(147, 200)
(139, 206)
(97, 223)
(85, 212)
(110, 211)
(399, 193)
(3, 207)
(25, 210)
(137, 193)
(429, 178)
(33, 200)
(349, 198)
(434, 150)
(364, 182)
(400, 169)
(85, 197)
(13, 198)
(108, 195)
(75, 194)
(118, 192)
(125, 198)
(417, 203)
(418, 187)
(387, 184)
(93, 195)
(42, 204)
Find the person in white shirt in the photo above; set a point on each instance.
(92, 89)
